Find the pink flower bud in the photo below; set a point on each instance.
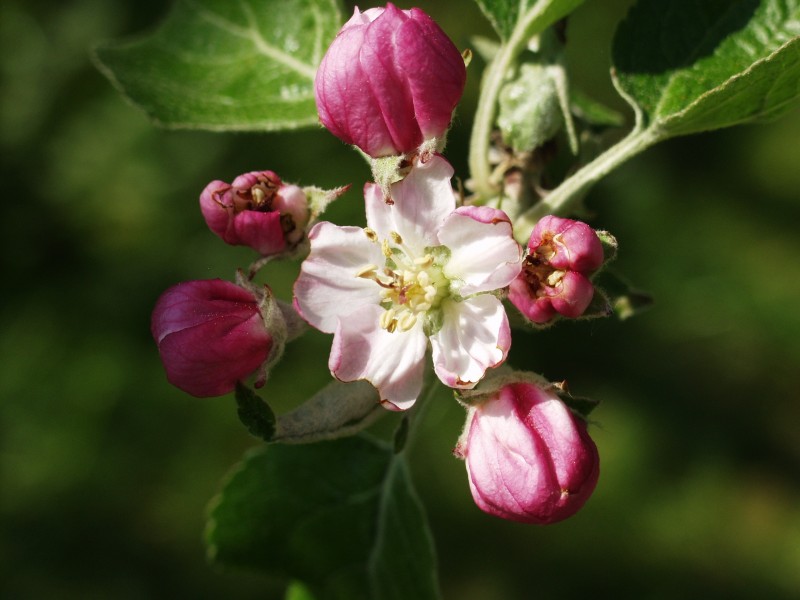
(562, 253)
(210, 334)
(529, 459)
(389, 81)
(256, 210)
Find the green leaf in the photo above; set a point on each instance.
(254, 413)
(220, 65)
(592, 112)
(340, 516)
(505, 14)
(692, 66)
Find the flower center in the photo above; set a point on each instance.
(412, 283)
(538, 272)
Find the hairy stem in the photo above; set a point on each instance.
(493, 79)
(563, 198)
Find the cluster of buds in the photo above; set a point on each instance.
(562, 254)
(212, 334)
(424, 274)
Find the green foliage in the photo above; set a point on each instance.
(219, 65)
(505, 14)
(254, 413)
(340, 516)
(693, 66)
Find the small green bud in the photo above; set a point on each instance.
(530, 112)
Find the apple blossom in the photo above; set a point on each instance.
(562, 253)
(528, 457)
(389, 81)
(210, 334)
(423, 270)
(256, 210)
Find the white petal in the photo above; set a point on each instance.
(422, 201)
(483, 252)
(392, 362)
(474, 336)
(328, 286)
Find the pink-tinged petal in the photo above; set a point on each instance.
(217, 208)
(261, 231)
(328, 286)
(434, 69)
(536, 310)
(483, 252)
(392, 362)
(384, 72)
(576, 245)
(474, 337)
(345, 101)
(210, 335)
(506, 472)
(572, 296)
(422, 202)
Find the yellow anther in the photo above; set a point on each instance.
(387, 251)
(370, 233)
(408, 321)
(396, 238)
(386, 318)
(392, 326)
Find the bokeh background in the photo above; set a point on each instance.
(106, 470)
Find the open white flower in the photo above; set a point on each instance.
(421, 270)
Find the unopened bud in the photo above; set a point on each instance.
(528, 457)
(210, 334)
(389, 81)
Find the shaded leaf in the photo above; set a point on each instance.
(693, 66)
(214, 64)
(254, 413)
(339, 516)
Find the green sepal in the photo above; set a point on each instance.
(625, 300)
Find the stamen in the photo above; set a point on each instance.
(258, 195)
(424, 261)
(408, 321)
(367, 271)
(387, 251)
(392, 326)
(386, 318)
(396, 238)
(370, 233)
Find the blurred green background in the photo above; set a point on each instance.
(106, 470)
